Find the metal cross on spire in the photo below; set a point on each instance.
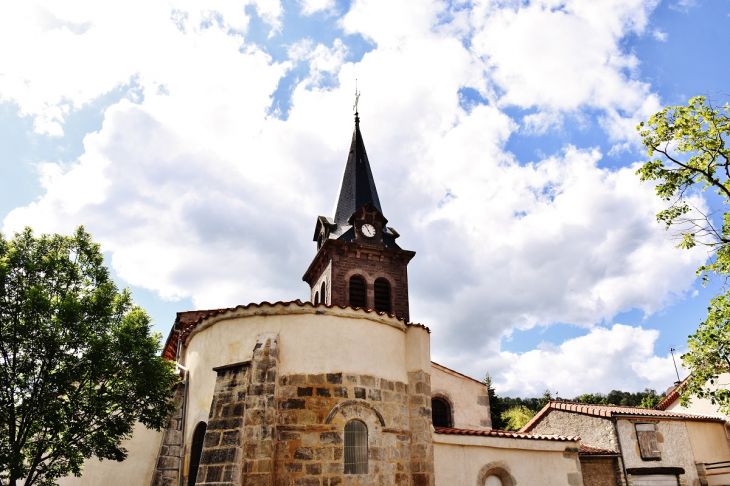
(357, 99)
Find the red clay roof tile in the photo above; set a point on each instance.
(614, 410)
(502, 433)
(586, 450)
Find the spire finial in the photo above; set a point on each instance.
(357, 100)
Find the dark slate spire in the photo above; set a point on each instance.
(358, 186)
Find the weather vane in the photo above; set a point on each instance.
(357, 98)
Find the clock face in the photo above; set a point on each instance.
(368, 230)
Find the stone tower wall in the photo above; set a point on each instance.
(313, 411)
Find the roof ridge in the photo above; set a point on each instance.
(458, 373)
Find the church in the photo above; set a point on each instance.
(338, 390)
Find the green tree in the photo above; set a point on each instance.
(650, 400)
(517, 417)
(707, 357)
(495, 405)
(78, 365)
(596, 398)
(689, 143)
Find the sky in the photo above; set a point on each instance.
(199, 141)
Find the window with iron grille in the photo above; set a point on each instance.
(196, 450)
(382, 295)
(440, 412)
(358, 291)
(356, 447)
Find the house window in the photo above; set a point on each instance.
(358, 291)
(382, 295)
(316, 298)
(356, 447)
(648, 444)
(323, 292)
(441, 412)
(195, 451)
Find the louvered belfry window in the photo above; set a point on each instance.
(648, 443)
(356, 447)
(196, 450)
(440, 412)
(382, 295)
(358, 291)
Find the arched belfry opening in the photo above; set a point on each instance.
(358, 292)
(381, 292)
(357, 238)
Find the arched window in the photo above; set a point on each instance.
(316, 298)
(356, 447)
(493, 481)
(358, 291)
(195, 451)
(382, 295)
(441, 412)
(323, 292)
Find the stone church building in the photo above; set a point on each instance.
(339, 390)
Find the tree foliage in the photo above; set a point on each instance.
(517, 417)
(78, 365)
(689, 143)
(708, 356)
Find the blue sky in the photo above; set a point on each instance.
(198, 144)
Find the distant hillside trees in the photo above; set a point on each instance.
(513, 413)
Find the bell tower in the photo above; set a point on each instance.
(358, 262)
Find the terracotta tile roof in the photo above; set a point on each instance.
(457, 373)
(672, 396)
(503, 433)
(186, 321)
(586, 450)
(614, 410)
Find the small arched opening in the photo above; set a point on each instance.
(323, 292)
(316, 298)
(382, 295)
(493, 481)
(441, 412)
(358, 291)
(196, 449)
(356, 447)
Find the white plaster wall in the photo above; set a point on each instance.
(311, 341)
(703, 406)
(458, 460)
(469, 398)
(710, 444)
(674, 444)
(136, 470)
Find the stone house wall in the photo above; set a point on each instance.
(600, 471)
(593, 431)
